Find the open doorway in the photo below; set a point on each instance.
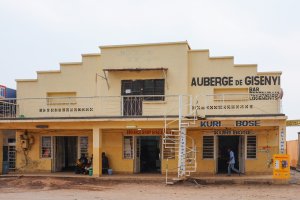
(147, 159)
(235, 143)
(65, 153)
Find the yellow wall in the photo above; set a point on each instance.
(35, 162)
(182, 66)
(293, 151)
(113, 148)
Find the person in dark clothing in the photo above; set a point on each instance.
(105, 165)
(83, 160)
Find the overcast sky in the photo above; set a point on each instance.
(38, 35)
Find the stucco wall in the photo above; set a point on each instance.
(293, 151)
(34, 161)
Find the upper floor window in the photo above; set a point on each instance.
(151, 89)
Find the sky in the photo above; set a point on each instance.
(39, 34)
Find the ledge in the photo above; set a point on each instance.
(48, 71)
(221, 57)
(26, 80)
(145, 44)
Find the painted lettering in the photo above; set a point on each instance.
(210, 124)
(247, 123)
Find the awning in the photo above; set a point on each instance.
(164, 71)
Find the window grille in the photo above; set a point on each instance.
(208, 147)
(83, 145)
(46, 144)
(251, 147)
(128, 147)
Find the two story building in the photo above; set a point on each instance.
(150, 108)
(7, 137)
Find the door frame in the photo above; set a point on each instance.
(242, 151)
(241, 156)
(137, 162)
(137, 154)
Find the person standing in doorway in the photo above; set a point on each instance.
(231, 163)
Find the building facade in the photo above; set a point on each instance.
(150, 108)
(7, 137)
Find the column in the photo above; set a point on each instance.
(1, 151)
(97, 152)
(298, 149)
(282, 140)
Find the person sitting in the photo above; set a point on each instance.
(105, 165)
(81, 165)
(83, 159)
(89, 165)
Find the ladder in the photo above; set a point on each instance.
(179, 145)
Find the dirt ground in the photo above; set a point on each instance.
(42, 188)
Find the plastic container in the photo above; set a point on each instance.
(91, 172)
(5, 167)
(110, 171)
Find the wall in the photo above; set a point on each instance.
(34, 161)
(202, 65)
(293, 152)
(262, 164)
(113, 148)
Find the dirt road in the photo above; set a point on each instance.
(26, 188)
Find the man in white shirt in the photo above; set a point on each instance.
(231, 163)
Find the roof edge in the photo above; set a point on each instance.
(145, 44)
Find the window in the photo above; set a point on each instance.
(128, 147)
(2, 91)
(208, 147)
(154, 87)
(83, 146)
(251, 147)
(61, 98)
(46, 146)
(151, 87)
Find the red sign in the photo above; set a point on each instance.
(145, 132)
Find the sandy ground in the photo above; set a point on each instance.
(26, 188)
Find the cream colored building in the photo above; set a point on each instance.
(149, 107)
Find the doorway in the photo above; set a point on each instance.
(65, 153)
(148, 151)
(236, 144)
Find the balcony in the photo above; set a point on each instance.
(138, 106)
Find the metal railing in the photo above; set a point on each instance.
(138, 106)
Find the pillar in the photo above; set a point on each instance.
(97, 152)
(1, 151)
(298, 149)
(282, 140)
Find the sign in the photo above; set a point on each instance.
(281, 141)
(281, 166)
(145, 132)
(293, 122)
(237, 123)
(233, 132)
(230, 81)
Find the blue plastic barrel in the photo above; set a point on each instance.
(109, 171)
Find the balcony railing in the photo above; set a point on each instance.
(137, 106)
